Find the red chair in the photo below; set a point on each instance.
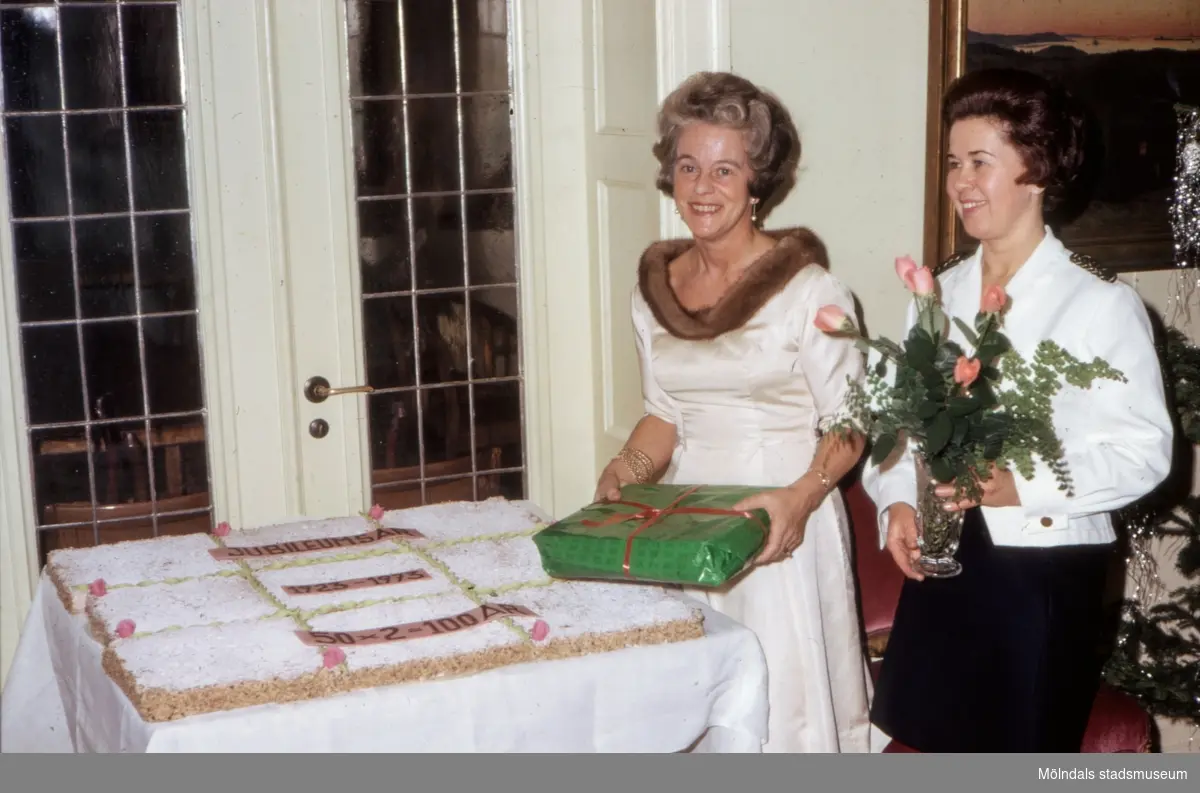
(1117, 723)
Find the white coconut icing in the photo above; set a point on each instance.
(494, 564)
(201, 601)
(468, 640)
(275, 580)
(577, 608)
(463, 520)
(140, 561)
(307, 529)
(218, 655)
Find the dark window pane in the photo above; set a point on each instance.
(159, 159)
(180, 465)
(498, 421)
(383, 246)
(98, 181)
(91, 57)
(429, 46)
(52, 381)
(379, 147)
(447, 416)
(29, 55)
(483, 32)
(151, 56)
(443, 337)
(487, 141)
(394, 441)
(36, 171)
(60, 459)
(114, 374)
(105, 267)
(374, 48)
(490, 239)
(173, 364)
(434, 133)
(438, 229)
(388, 332)
(512, 485)
(164, 244)
(494, 333)
(44, 279)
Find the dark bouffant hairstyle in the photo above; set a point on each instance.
(772, 142)
(1043, 123)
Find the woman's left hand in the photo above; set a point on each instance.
(999, 490)
(789, 509)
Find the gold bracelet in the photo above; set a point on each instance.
(638, 463)
(826, 482)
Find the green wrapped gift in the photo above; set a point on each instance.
(670, 534)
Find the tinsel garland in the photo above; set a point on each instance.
(1157, 658)
(1185, 208)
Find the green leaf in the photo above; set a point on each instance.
(967, 333)
(941, 469)
(938, 434)
(962, 405)
(920, 347)
(882, 448)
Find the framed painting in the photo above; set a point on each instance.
(1128, 63)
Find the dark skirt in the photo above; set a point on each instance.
(1003, 657)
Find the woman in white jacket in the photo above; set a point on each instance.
(1005, 657)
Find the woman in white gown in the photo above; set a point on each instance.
(737, 382)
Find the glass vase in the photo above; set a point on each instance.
(938, 531)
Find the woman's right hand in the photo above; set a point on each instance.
(902, 539)
(609, 486)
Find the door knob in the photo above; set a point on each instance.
(317, 389)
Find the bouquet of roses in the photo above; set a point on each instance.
(963, 411)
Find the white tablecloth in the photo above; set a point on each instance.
(644, 699)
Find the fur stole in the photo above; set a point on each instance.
(797, 248)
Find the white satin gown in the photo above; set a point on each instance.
(747, 406)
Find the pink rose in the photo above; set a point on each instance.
(831, 319)
(966, 370)
(222, 529)
(994, 300)
(376, 512)
(333, 656)
(98, 588)
(125, 628)
(905, 267)
(922, 282)
(540, 631)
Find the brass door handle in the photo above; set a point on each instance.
(317, 389)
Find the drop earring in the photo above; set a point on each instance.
(754, 211)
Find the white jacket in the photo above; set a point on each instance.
(1117, 436)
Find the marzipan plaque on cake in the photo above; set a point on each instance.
(669, 534)
(433, 592)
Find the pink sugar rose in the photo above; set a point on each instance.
(831, 319)
(125, 628)
(98, 588)
(222, 529)
(376, 512)
(994, 300)
(966, 370)
(905, 267)
(333, 656)
(540, 631)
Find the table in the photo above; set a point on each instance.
(708, 694)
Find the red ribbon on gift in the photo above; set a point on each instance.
(649, 515)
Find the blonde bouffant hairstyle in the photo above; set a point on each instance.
(723, 99)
